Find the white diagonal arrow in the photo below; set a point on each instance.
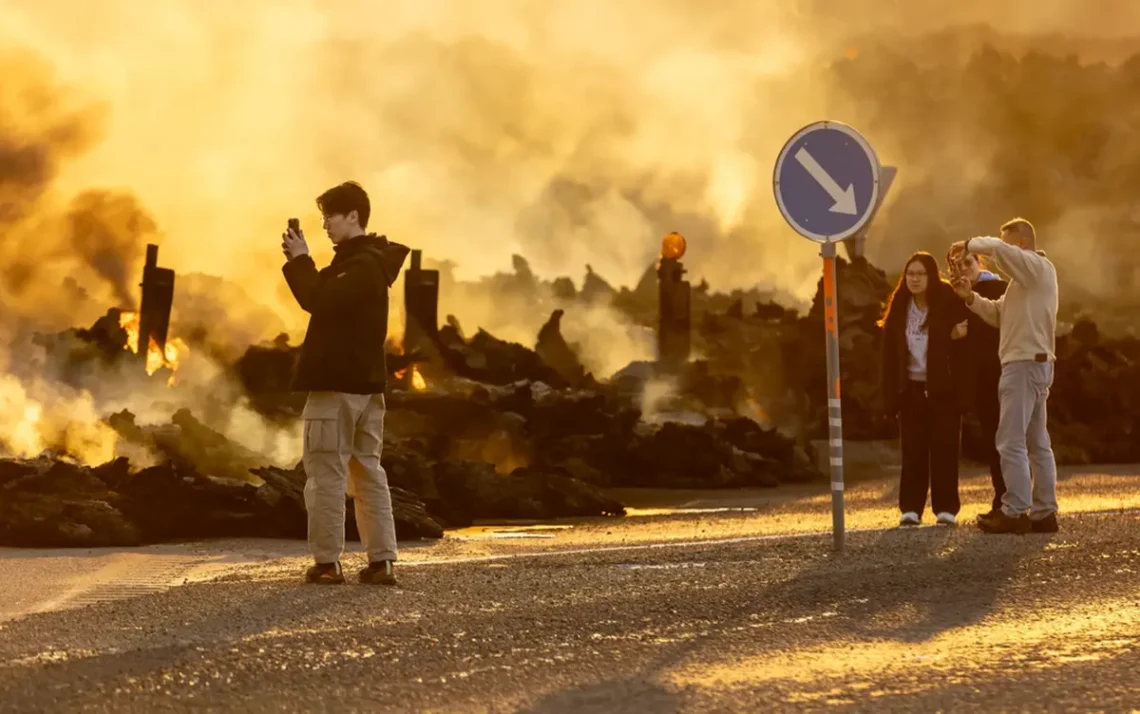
(844, 200)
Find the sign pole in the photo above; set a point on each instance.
(834, 410)
(828, 183)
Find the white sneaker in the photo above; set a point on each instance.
(947, 519)
(910, 518)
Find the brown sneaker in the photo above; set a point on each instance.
(324, 574)
(1048, 524)
(379, 573)
(1002, 523)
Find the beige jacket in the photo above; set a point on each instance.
(1026, 315)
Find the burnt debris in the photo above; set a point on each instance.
(498, 430)
(157, 300)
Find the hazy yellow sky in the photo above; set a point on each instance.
(572, 131)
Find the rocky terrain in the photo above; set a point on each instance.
(481, 429)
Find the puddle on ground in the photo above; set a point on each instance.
(658, 566)
(498, 532)
(643, 512)
(548, 531)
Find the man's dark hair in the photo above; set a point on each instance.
(345, 198)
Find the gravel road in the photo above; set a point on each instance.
(626, 617)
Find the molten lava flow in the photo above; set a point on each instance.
(156, 358)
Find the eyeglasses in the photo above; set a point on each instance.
(914, 274)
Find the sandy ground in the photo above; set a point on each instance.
(699, 601)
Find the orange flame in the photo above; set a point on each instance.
(757, 412)
(418, 382)
(129, 321)
(156, 358)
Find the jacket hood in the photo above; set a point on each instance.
(390, 255)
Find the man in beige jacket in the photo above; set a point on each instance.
(1026, 316)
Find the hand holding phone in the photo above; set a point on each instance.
(293, 240)
(955, 266)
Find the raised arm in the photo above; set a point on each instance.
(988, 310)
(302, 277)
(1024, 266)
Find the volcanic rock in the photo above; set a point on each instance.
(553, 349)
(485, 358)
(50, 503)
(473, 491)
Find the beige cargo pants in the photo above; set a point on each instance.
(344, 435)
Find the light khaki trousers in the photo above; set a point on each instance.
(344, 436)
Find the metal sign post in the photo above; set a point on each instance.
(826, 183)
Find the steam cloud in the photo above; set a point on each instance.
(570, 131)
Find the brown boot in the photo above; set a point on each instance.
(379, 573)
(1002, 523)
(1048, 524)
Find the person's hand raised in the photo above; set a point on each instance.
(293, 244)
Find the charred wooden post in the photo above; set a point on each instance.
(856, 244)
(157, 300)
(421, 305)
(674, 326)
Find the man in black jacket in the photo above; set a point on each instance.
(343, 369)
(984, 367)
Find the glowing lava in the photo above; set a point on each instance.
(419, 384)
(156, 357)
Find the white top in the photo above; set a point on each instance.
(916, 340)
(1026, 314)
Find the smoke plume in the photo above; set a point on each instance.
(568, 131)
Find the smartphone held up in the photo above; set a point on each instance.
(291, 237)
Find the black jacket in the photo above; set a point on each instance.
(982, 342)
(348, 304)
(945, 358)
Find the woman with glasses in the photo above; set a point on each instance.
(922, 371)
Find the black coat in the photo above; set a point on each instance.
(946, 367)
(348, 303)
(981, 343)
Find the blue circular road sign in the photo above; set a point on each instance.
(827, 181)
